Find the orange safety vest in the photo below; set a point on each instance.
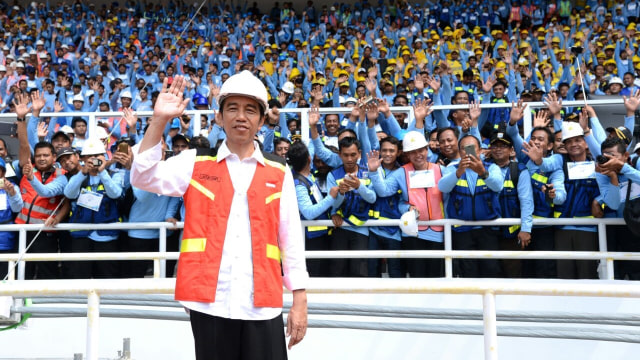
(207, 205)
(428, 201)
(515, 13)
(37, 209)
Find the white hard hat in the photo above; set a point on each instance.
(615, 80)
(409, 223)
(93, 146)
(571, 129)
(413, 140)
(224, 58)
(288, 87)
(66, 129)
(89, 93)
(244, 84)
(101, 133)
(350, 100)
(3, 68)
(78, 97)
(125, 94)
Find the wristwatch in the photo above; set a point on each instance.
(20, 119)
(484, 175)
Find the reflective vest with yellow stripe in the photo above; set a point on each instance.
(311, 231)
(541, 208)
(207, 204)
(107, 213)
(509, 201)
(498, 115)
(36, 208)
(354, 209)
(580, 195)
(483, 204)
(386, 208)
(427, 201)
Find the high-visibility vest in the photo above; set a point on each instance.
(207, 205)
(428, 201)
(37, 209)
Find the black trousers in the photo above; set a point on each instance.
(99, 269)
(231, 339)
(423, 268)
(542, 239)
(139, 268)
(619, 238)
(576, 240)
(318, 267)
(349, 240)
(46, 242)
(476, 239)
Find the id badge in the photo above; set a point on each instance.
(421, 179)
(90, 200)
(581, 170)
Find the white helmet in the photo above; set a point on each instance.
(616, 80)
(101, 133)
(413, 140)
(78, 97)
(93, 146)
(244, 84)
(288, 87)
(125, 94)
(409, 223)
(571, 129)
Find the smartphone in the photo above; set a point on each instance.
(470, 150)
(1, 183)
(123, 147)
(548, 198)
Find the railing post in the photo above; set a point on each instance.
(22, 244)
(527, 120)
(11, 270)
(602, 240)
(304, 125)
(162, 247)
(490, 328)
(448, 262)
(93, 325)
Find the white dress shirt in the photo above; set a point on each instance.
(234, 293)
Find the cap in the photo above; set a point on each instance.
(621, 132)
(179, 137)
(175, 123)
(500, 136)
(61, 133)
(571, 129)
(64, 151)
(413, 140)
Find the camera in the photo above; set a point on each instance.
(577, 50)
(601, 159)
(96, 162)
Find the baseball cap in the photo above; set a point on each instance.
(501, 136)
(622, 133)
(64, 151)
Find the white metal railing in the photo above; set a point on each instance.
(448, 253)
(488, 288)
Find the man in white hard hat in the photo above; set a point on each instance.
(241, 213)
(418, 182)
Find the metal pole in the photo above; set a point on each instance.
(93, 325)
(527, 120)
(162, 247)
(22, 244)
(602, 240)
(448, 263)
(490, 328)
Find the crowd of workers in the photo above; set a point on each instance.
(370, 163)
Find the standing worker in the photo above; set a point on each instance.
(241, 219)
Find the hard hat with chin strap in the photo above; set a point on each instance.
(247, 85)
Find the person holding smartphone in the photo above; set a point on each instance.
(473, 187)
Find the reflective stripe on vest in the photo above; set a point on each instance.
(37, 209)
(205, 231)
